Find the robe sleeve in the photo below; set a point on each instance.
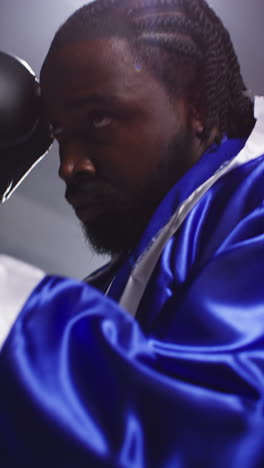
(81, 385)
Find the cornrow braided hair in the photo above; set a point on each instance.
(184, 44)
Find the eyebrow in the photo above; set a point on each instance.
(94, 99)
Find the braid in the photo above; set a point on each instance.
(184, 44)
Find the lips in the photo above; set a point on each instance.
(86, 207)
(88, 212)
(89, 201)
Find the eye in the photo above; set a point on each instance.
(101, 121)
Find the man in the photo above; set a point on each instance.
(151, 115)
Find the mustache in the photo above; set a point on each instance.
(93, 192)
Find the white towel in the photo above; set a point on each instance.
(17, 280)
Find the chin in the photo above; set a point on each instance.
(120, 227)
(114, 234)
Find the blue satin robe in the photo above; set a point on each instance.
(83, 384)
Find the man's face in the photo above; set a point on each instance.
(122, 141)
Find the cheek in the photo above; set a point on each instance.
(134, 178)
(135, 156)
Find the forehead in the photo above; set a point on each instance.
(96, 67)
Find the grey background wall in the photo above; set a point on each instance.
(37, 226)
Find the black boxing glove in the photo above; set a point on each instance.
(25, 135)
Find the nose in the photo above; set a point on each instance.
(74, 159)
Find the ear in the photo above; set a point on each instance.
(197, 121)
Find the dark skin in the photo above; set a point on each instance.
(123, 141)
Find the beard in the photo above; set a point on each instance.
(120, 227)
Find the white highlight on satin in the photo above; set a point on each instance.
(144, 267)
(17, 280)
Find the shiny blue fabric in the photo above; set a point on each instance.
(83, 384)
